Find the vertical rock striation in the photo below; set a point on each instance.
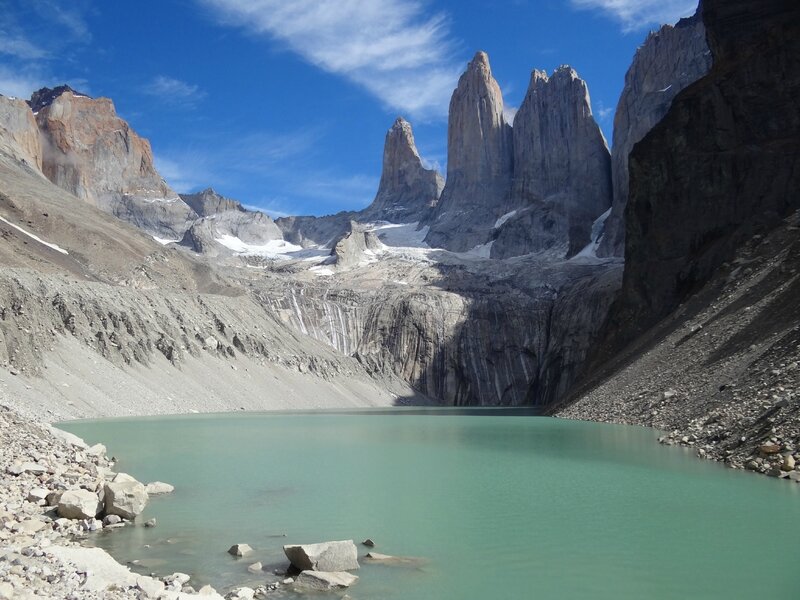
(407, 191)
(562, 169)
(669, 60)
(479, 162)
(723, 164)
(19, 136)
(92, 153)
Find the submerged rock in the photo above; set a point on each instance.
(240, 550)
(158, 487)
(325, 580)
(325, 556)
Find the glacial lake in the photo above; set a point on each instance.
(498, 505)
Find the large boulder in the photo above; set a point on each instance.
(126, 499)
(325, 556)
(325, 580)
(79, 504)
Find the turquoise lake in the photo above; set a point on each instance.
(498, 505)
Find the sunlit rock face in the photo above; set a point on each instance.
(92, 153)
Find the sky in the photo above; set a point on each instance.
(284, 104)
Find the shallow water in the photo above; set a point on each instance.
(499, 505)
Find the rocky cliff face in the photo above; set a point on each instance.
(220, 233)
(669, 60)
(355, 247)
(19, 136)
(479, 162)
(208, 202)
(407, 191)
(92, 153)
(722, 165)
(562, 169)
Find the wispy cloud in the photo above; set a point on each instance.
(392, 48)
(637, 14)
(19, 47)
(168, 87)
(18, 84)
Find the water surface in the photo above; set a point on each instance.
(499, 505)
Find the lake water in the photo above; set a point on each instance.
(498, 504)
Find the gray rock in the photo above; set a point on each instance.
(38, 494)
(152, 588)
(324, 580)
(240, 550)
(398, 561)
(126, 499)
(356, 246)
(562, 169)
(112, 520)
(368, 543)
(158, 487)
(151, 522)
(250, 227)
(669, 60)
(479, 162)
(256, 567)
(79, 504)
(325, 556)
(241, 593)
(208, 203)
(407, 191)
(19, 135)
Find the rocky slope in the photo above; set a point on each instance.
(479, 162)
(709, 308)
(407, 191)
(669, 60)
(562, 170)
(92, 153)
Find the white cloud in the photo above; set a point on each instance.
(636, 14)
(389, 47)
(19, 47)
(168, 87)
(17, 84)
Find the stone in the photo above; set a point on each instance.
(38, 494)
(562, 170)
(399, 561)
(96, 450)
(256, 567)
(240, 550)
(407, 191)
(92, 153)
(30, 526)
(325, 556)
(788, 463)
(368, 543)
(126, 499)
(151, 587)
(769, 448)
(151, 522)
(112, 520)
(6, 591)
(124, 478)
(26, 467)
(479, 162)
(241, 593)
(325, 580)
(79, 504)
(670, 60)
(100, 569)
(356, 246)
(158, 487)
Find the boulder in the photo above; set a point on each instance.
(126, 499)
(123, 478)
(255, 567)
(325, 580)
(241, 593)
(159, 487)
(151, 588)
(240, 550)
(38, 494)
(79, 504)
(325, 556)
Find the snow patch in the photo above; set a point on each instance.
(504, 218)
(590, 251)
(164, 241)
(322, 270)
(278, 249)
(34, 237)
(479, 251)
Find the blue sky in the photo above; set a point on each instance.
(284, 104)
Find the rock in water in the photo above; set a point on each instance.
(325, 556)
(562, 169)
(79, 504)
(669, 60)
(126, 499)
(325, 580)
(240, 550)
(479, 162)
(158, 487)
(92, 153)
(407, 191)
(19, 135)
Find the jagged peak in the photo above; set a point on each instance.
(46, 96)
